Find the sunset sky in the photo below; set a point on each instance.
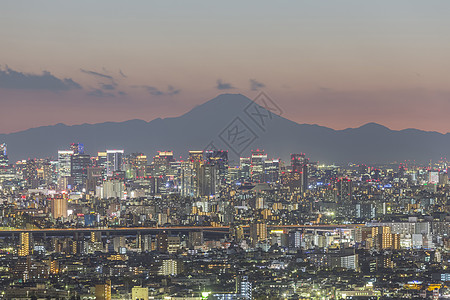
(334, 63)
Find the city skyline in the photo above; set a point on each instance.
(224, 150)
(334, 64)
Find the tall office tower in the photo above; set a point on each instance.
(162, 163)
(258, 232)
(208, 180)
(299, 171)
(30, 174)
(218, 158)
(433, 177)
(103, 291)
(64, 163)
(344, 190)
(77, 148)
(187, 179)
(24, 244)
(271, 170)
(3, 156)
(59, 206)
(136, 165)
(244, 165)
(79, 166)
(101, 160)
(44, 171)
(94, 178)
(196, 158)
(114, 161)
(257, 165)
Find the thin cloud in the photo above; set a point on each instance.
(11, 79)
(99, 93)
(96, 74)
(109, 87)
(122, 74)
(223, 86)
(172, 90)
(154, 91)
(255, 85)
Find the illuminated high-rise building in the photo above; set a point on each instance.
(136, 165)
(190, 174)
(114, 161)
(79, 166)
(257, 165)
(65, 163)
(24, 244)
(208, 179)
(344, 190)
(30, 174)
(171, 267)
(44, 171)
(299, 172)
(59, 206)
(244, 166)
(271, 170)
(258, 232)
(3, 155)
(103, 291)
(218, 158)
(187, 179)
(94, 178)
(77, 148)
(162, 162)
(101, 160)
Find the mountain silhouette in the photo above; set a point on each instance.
(234, 122)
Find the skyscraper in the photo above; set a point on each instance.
(257, 165)
(59, 207)
(30, 174)
(271, 170)
(65, 163)
(161, 163)
(3, 156)
(258, 232)
(218, 158)
(114, 161)
(244, 165)
(208, 179)
(24, 244)
(77, 148)
(299, 172)
(136, 165)
(187, 179)
(79, 165)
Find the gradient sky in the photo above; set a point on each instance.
(333, 63)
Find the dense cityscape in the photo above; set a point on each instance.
(118, 225)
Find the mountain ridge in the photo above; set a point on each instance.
(207, 124)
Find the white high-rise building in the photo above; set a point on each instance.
(114, 161)
(64, 163)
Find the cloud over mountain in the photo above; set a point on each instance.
(223, 85)
(11, 79)
(255, 85)
(97, 74)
